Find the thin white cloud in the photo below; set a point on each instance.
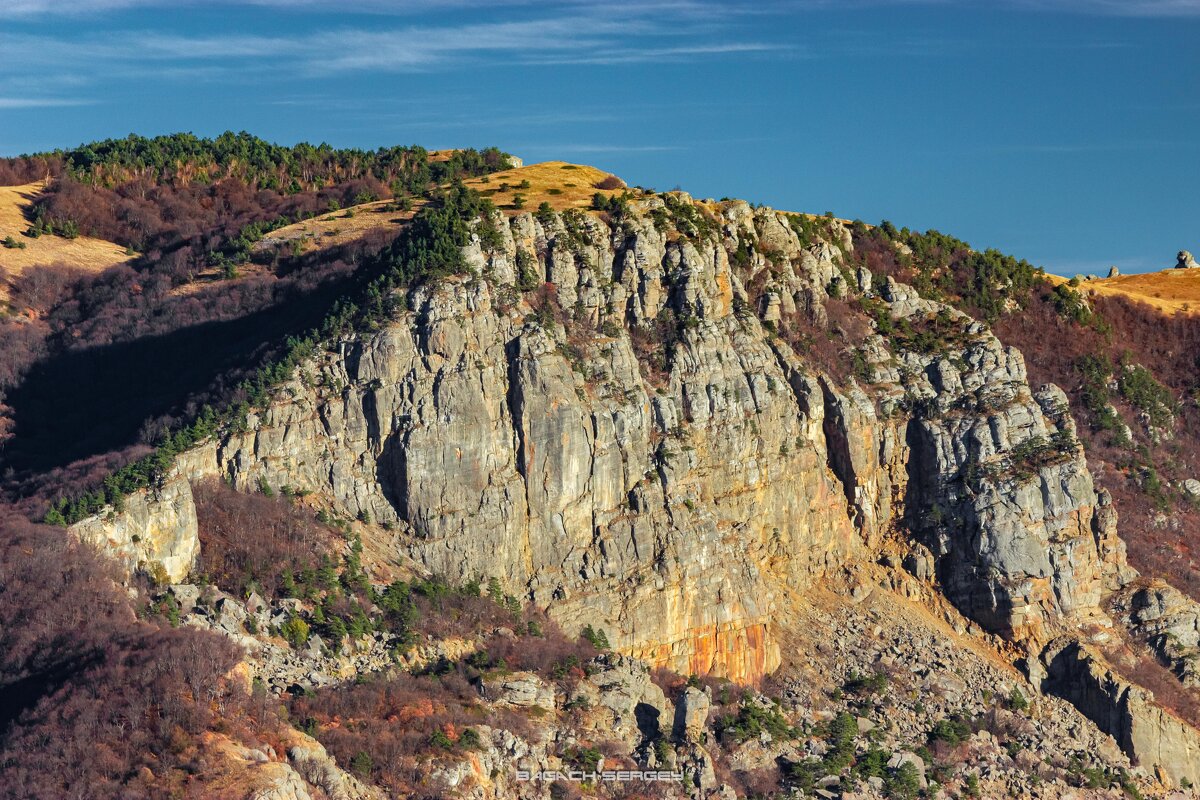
(1112, 8)
(660, 54)
(556, 33)
(573, 36)
(1093, 147)
(1119, 8)
(41, 102)
(26, 9)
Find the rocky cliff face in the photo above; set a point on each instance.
(670, 514)
(998, 486)
(633, 446)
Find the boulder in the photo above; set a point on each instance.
(520, 689)
(920, 563)
(771, 311)
(315, 647)
(863, 279)
(186, 596)
(255, 604)
(1185, 260)
(639, 710)
(231, 615)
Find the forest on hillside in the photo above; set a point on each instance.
(149, 353)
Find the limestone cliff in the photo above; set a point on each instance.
(154, 532)
(671, 502)
(671, 512)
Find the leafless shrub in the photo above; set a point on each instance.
(610, 182)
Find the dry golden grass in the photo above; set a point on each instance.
(336, 227)
(84, 252)
(558, 183)
(1170, 291)
(206, 278)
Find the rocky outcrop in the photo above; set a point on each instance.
(691, 715)
(670, 486)
(631, 706)
(671, 514)
(308, 758)
(1185, 260)
(1151, 736)
(260, 774)
(154, 533)
(1001, 494)
(664, 468)
(519, 689)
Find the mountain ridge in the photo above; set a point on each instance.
(453, 325)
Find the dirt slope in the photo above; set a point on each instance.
(1171, 291)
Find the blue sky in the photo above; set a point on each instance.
(1063, 131)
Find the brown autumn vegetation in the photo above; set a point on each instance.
(95, 703)
(393, 728)
(402, 722)
(611, 182)
(247, 541)
(25, 169)
(831, 347)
